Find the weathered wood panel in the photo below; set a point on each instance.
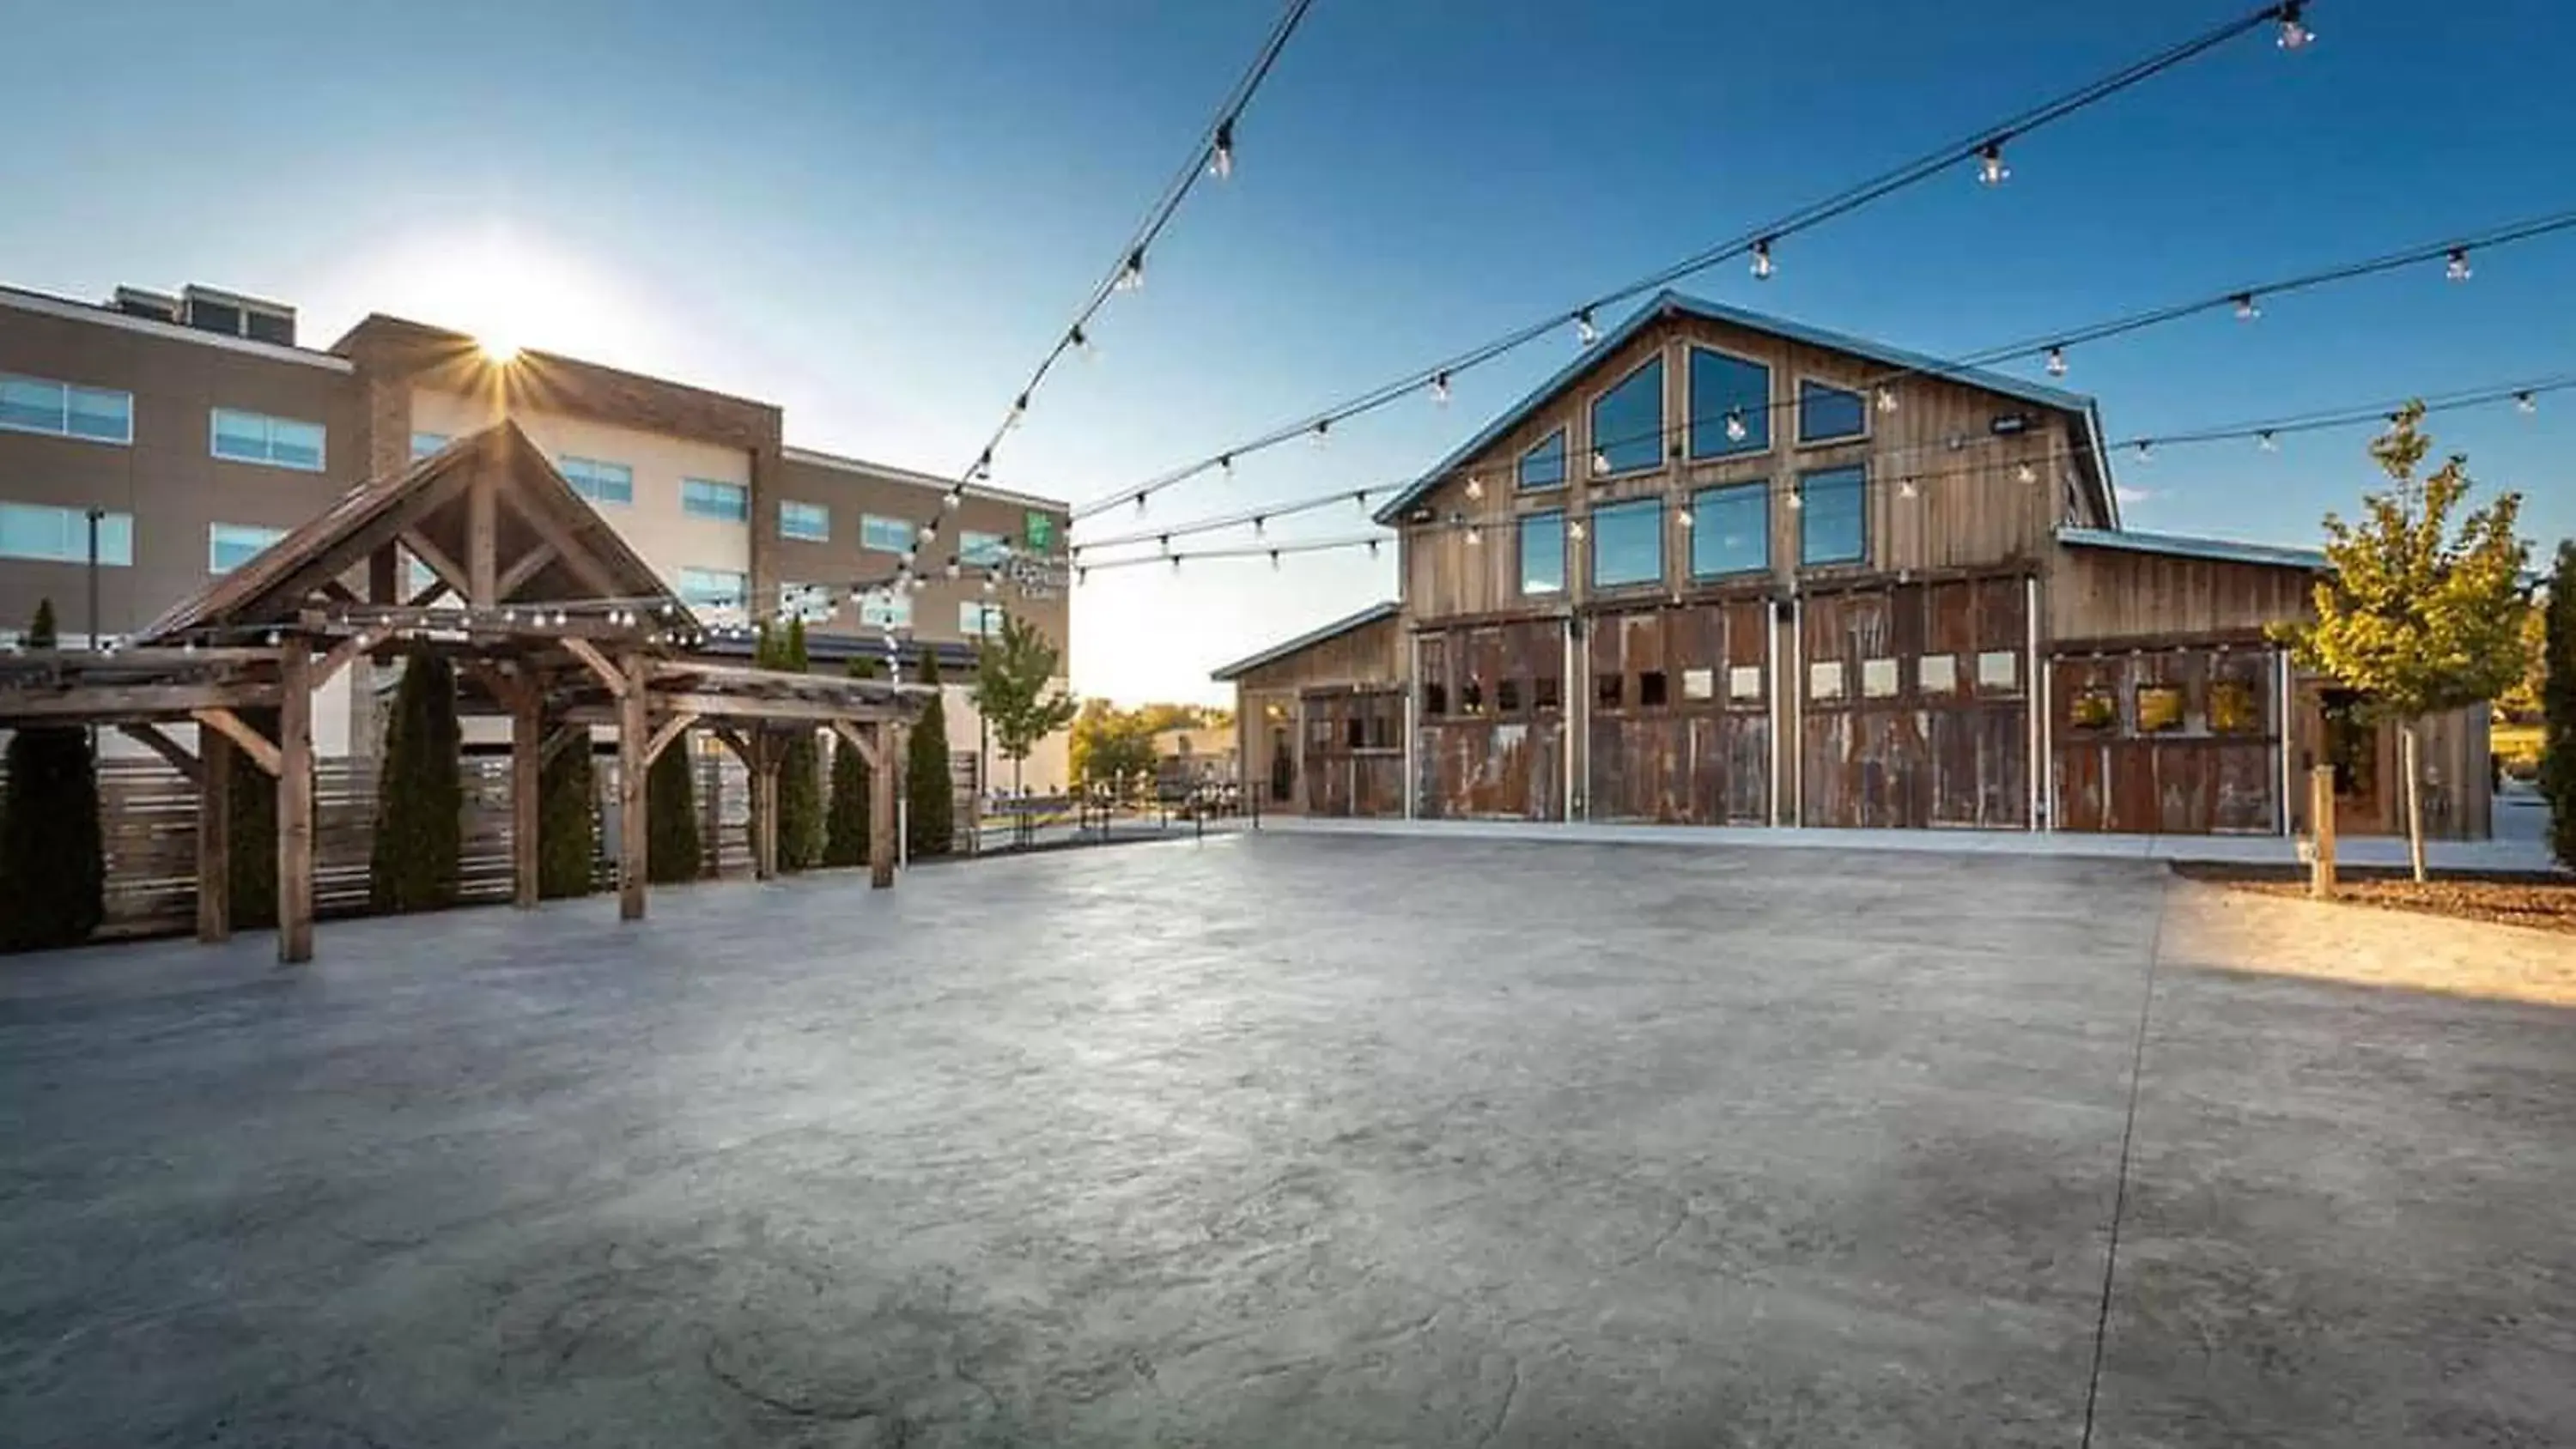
(1354, 752)
(1679, 723)
(1915, 706)
(2177, 741)
(1491, 734)
(2458, 785)
(2099, 594)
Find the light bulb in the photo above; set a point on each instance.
(988, 583)
(1221, 162)
(1176, 563)
(1905, 488)
(1140, 502)
(2146, 450)
(1682, 518)
(930, 531)
(1225, 464)
(2246, 311)
(1762, 260)
(2026, 474)
(1475, 488)
(1887, 399)
(1360, 497)
(1081, 577)
(2525, 403)
(2295, 35)
(2057, 362)
(1372, 543)
(1991, 170)
(1735, 429)
(1323, 431)
(1131, 277)
(1475, 535)
(983, 467)
(1440, 388)
(509, 616)
(1797, 499)
(954, 498)
(950, 569)
(1274, 560)
(1585, 334)
(1019, 411)
(1257, 522)
(1574, 530)
(1081, 342)
(1600, 463)
(2265, 441)
(1165, 541)
(2457, 269)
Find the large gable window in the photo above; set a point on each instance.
(1833, 525)
(1826, 413)
(1543, 553)
(1730, 402)
(1628, 543)
(1731, 530)
(1628, 422)
(1543, 466)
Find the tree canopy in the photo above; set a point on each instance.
(1014, 689)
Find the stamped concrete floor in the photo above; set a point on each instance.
(1287, 1141)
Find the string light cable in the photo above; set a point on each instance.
(1761, 243)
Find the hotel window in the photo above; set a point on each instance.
(809, 602)
(424, 444)
(707, 498)
(230, 545)
(1543, 466)
(713, 588)
(259, 438)
(1832, 526)
(982, 548)
(36, 405)
(886, 608)
(1827, 413)
(1628, 543)
(61, 535)
(597, 481)
(1731, 530)
(1628, 421)
(977, 620)
(1543, 553)
(811, 522)
(889, 535)
(1730, 402)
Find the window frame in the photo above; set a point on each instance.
(740, 512)
(1592, 534)
(911, 533)
(741, 598)
(893, 609)
(563, 465)
(1592, 421)
(1000, 552)
(213, 529)
(1801, 382)
(989, 615)
(1806, 514)
(1699, 527)
(822, 511)
(78, 551)
(216, 414)
(68, 388)
(1520, 545)
(1690, 406)
(1560, 436)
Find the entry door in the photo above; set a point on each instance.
(2350, 743)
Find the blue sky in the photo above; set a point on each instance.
(879, 215)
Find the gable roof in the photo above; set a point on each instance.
(1374, 613)
(534, 508)
(2174, 545)
(1670, 303)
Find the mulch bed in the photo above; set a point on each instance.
(2544, 902)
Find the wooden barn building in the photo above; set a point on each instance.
(1727, 569)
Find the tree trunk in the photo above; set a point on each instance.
(2410, 752)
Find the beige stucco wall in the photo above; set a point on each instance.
(654, 525)
(1049, 768)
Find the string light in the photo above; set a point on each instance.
(2265, 441)
(1131, 275)
(1019, 412)
(1372, 548)
(983, 468)
(2057, 362)
(2146, 450)
(1887, 399)
(1323, 431)
(1574, 530)
(2026, 474)
(2246, 311)
(1600, 464)
(1585, 334)
(1274, 560)
(2295, 35)
(1080, 342)
(1475, 489)
(955, 499)
(2525, 403)
(1905, 487)
(1682, 518)
(1991, 170)
(1475, 535)
(1762, 260)
(1221, 163)
(1735, 429)
(1440, 388)
(1226, 464)
(2456, 267)
(1360, 496)
(1797, 496)
(1257, 522)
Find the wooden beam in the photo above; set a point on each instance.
(671, 730)
(214, 838)
(881, 798)
(428, 595)
(618, 680)
(507, 687)
(295, 806)
(384, 576)
(527, 758)
(562, 739)
(111, 703)
(631, 838)
(527, 566)
(744, 707)
(449, 572)
(335, 592)
(150, 737)
(764, 809)
(556, 536)
(858, 740)
(348, 649)
(732, 739)
(482, 540)
(251, 742)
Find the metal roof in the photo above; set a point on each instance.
(1687, 305)
(2174, 545)
(1370, 615)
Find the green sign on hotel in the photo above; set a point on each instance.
(1039, 532)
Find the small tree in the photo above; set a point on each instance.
(420, 802)
(845, 838)
(800, 774)
(1111, 747)
(929, 789)
(1014, 693)
(51, 856)
(567, 822)
(2558, 709)
(2417, 616)
(671, 817)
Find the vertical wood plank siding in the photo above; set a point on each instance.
(1882, 744)
(2200, 774)
(1672, 739)
(1492, 735)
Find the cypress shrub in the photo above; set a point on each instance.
(845, 836)
(567, 823)
(928, 786)
(420, 801)
(671, 851)
(51, 858)
(2558, 709)
(800, 782)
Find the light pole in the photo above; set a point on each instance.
(97, 516)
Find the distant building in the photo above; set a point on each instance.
(1195, 755)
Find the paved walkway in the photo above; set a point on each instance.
(1284, 1140)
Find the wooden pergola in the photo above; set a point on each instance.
(551, 619)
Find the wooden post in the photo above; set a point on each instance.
(2321, 824)
(527, 758)
(631, 739)
(764, 803)
(881, 793)
(295, 803)
(214, 837)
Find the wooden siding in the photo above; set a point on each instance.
(1354, 751)
(1669, 737)
(2190, 777)
(2459, 786)
(1269, 706)
(1492, 731)
(1969, 509)
(1879, 749)
(2099, 594)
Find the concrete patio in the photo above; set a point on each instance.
(1292, 1139)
